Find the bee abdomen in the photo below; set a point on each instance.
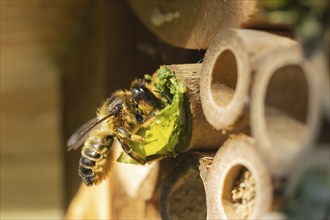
(87, 162)
(94, 164)
(91, 154)
(87, 175)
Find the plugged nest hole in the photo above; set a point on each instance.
(239, 193)
(224, 78)
(188, 199)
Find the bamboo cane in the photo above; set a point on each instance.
(238, 184)
(191, 25)
(285, 108)
(228, 70)
(183, 189)
(190, 75)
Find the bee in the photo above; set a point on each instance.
(122, 113)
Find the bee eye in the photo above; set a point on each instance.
(139, 93)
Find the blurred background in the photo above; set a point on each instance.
(32, 34)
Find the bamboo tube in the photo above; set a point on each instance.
(285, 108)
(273, 216)
(190, 76)
(238, 183)
(321, 64)
(145, 178)
(227, 72)
(123, 206)
(191, 25)
(109, 200)
(91, 203)
(183, 189)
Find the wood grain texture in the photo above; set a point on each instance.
(191, 25)
(190, 75)
(183, 189)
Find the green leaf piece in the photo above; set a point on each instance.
(165, 130)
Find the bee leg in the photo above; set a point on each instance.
(122, 133)
(153, 157)
(128, 150)
(138, 157)
(158, 156)
(138, 115)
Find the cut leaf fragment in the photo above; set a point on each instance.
(169, 127)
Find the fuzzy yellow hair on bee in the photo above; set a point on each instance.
(117, 118)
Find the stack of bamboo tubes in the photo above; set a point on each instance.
(256, 104)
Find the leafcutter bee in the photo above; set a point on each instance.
(119, 115)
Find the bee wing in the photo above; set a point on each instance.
(78, 138)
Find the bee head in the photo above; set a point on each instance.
(141, 93)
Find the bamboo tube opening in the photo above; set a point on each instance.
(224, 83)
(190, 74)
(228, 68)
(239, 192)
(224, 78)
(238, 183)
(285, 108)
(286, 95)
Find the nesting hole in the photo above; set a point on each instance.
(287, 106)
(239, 193)
(188, 200)
(224, 78)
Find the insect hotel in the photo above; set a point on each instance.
(239, 130)
(166, 109)
(199, 110)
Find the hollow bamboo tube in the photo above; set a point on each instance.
(191, 24)
(227, 72)
(320, 63)
(190, 74)
(285, 108)
(238, 156)
(273, 216)
(145, 179)
(91, 203)
(183, 189)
